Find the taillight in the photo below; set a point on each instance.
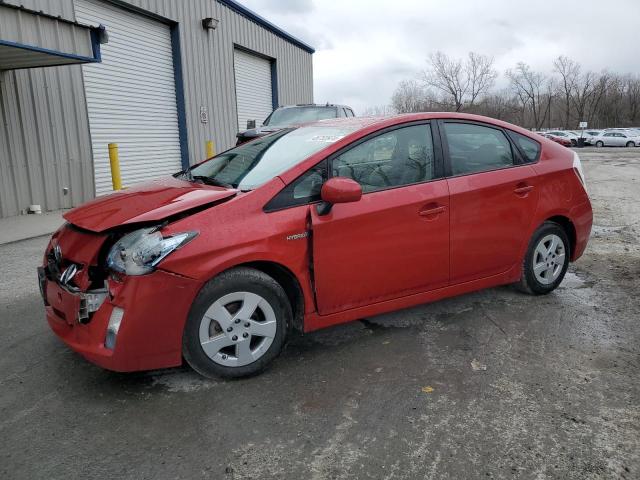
(577, 167)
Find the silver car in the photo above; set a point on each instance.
(617, 139)
(590, 136)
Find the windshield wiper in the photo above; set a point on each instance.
(209, 181)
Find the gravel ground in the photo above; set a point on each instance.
(493, 384)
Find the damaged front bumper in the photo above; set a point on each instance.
(122, 323)
(152, 311)
(83, 303)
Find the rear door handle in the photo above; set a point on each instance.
(429, 210)
(523, 190)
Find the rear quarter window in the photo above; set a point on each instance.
(529, 147)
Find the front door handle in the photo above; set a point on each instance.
(431, 210)
(523, 190)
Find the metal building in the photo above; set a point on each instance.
(158, 77)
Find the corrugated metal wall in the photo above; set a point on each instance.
(44, 132)
(44, 140)
(207, 64)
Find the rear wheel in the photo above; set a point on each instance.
(631, 144)
(574, 142)
(237, 324)
(546, 260)
(599, 143)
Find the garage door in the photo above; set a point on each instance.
(131, 96)
(253, 88)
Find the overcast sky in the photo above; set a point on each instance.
(365, 47)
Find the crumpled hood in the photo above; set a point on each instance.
(146, 202)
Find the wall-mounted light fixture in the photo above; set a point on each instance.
(210, 23)
(103, 35)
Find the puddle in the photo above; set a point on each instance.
(183, 381)
(575, 288)
(571, 280)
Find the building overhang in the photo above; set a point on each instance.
(30, 39)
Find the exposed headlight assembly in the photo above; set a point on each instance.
(139, 252)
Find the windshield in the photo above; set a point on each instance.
(250, 165)
(296, 115)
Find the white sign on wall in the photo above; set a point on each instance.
(204, 114)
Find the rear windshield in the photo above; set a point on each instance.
(297, 115)
(250, 165)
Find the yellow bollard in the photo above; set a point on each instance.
(211, 149)
(114, 160)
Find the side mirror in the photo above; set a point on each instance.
(338, 190)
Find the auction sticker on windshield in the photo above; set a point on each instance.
(326, 138)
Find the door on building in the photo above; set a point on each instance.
(254, 89)
(131, 96)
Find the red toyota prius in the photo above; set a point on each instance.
(310, 227)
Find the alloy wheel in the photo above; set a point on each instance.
(549, 258)
(237, 329)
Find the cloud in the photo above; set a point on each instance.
(281, 7)
(364, 48)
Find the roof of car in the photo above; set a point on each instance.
(359, 123)
(313, 105)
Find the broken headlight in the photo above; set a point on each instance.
(139, 252)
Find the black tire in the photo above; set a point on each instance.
(599, 143)
(631, 144)
(528, 282)
(574, 142)
(239, 279)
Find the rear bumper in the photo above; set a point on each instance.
(150, 335)
(582, 217)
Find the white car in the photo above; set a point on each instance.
(590, 136)
(617, 138)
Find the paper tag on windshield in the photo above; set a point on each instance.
(326, 138)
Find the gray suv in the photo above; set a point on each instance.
(286, 116)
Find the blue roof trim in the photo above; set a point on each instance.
(95, 45)
(242, 10)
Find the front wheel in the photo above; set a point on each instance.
(546, 260)
(599, 143)
(631, 144)
(237, 324)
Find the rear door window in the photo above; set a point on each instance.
(476, 148)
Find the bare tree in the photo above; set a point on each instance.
(599, 92)
(633, 97)
(569, 72)
(379, 110)
(409, 96)
(447, 77)
(534, 90)
(481, 75)
(501, 105)
(587, 95)
(534, 99)
(459, 82)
